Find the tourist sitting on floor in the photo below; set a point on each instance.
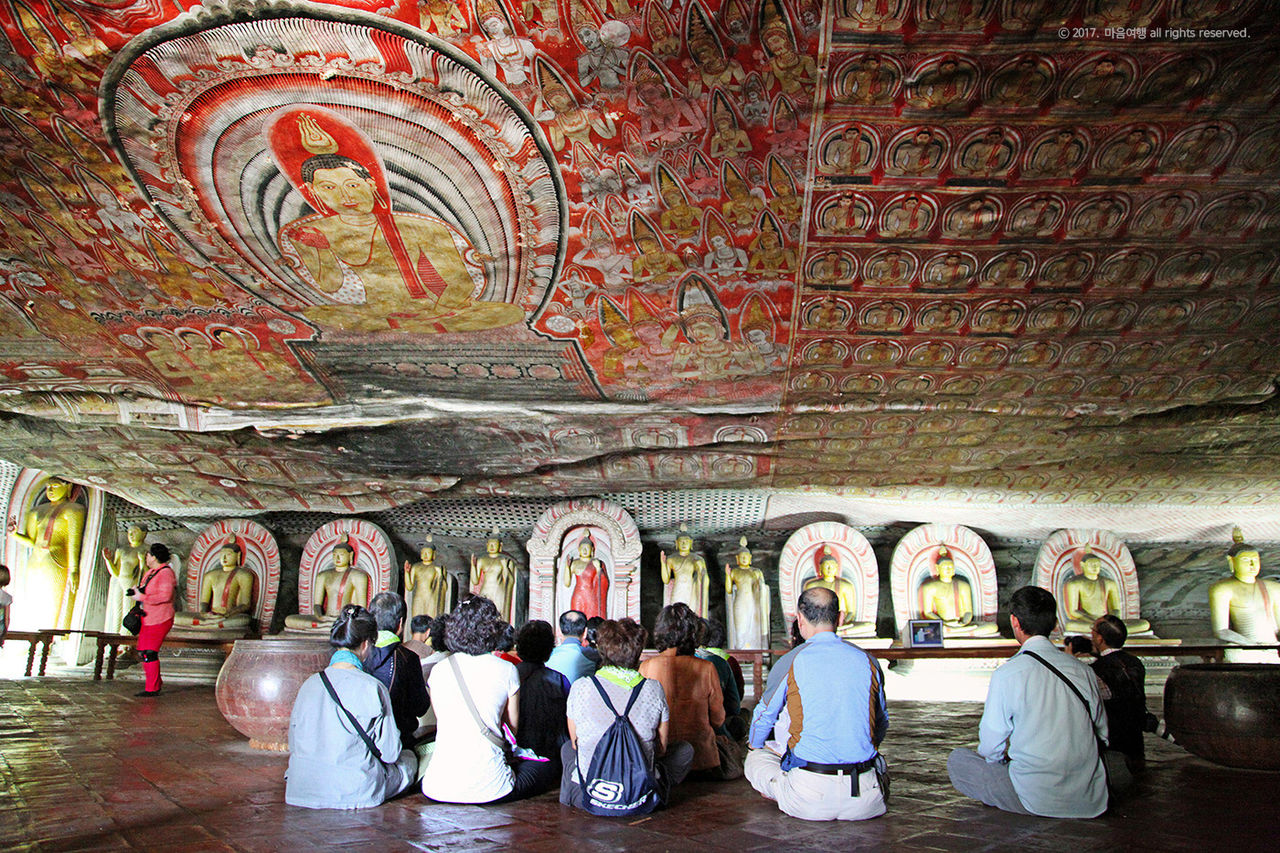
(543, 693)
(829, 767)
(570, 658)
(344, 748)
(620, 644)
(474, 693)
(1038, 742)
(1124, 695)
(711, 648)
(692, 689)
(397, 667)
(419, 636)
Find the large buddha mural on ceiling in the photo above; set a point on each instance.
(348, 169)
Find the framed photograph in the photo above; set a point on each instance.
(924, 634)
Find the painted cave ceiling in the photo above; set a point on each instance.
(348, 256)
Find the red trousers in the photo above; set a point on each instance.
(149, 640)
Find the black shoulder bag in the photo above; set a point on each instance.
(1088, 711)
(364, 736)
(132, 620)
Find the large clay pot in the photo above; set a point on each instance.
(1226, 712)
(259, 681)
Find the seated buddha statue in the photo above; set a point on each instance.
(950, 599)
(333, 589)
(226, 595)
(829, 577)
(1244, 608)
(1089, 596)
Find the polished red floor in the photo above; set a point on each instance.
(87, 766)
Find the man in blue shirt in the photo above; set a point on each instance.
(825, 700)
(569, 659)
(1039, 739)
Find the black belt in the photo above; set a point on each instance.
(854, 770)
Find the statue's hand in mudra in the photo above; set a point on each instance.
(310, 237)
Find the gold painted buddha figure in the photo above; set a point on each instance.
(53, 532)
(950, 599)
(494, 576)
(748, 601)
(1244, 608)
(1089, 596)
(685, 574)
(226, 595)
(426, 584)
(125, 567)
(829, 577)
(332, 590)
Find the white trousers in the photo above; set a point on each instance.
(813, 796)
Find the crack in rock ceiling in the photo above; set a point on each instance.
(340, 257)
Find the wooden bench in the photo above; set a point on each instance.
(44, 637)
(109, 647)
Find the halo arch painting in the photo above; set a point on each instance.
(341, 166)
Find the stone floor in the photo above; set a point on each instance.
(87, 766)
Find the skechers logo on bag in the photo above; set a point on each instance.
(604, 792)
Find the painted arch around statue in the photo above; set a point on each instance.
(258, 553)
(799, 559)
(374, 555)
(1059, 560)
(912, 564)
(562, 527)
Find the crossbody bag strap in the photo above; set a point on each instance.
(1087, 708)
(364, 736)
(493, 737)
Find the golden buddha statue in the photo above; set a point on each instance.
(1244, 608)
(426, 584)
(685, 576)
(1089, 596)
(494, 576)
(226, 595)
(125, 567)
(332, 590)
(950, 599)
(829, 577)
(748, 602)
(53, 532)
(590, 580)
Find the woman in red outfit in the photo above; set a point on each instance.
(155, 592)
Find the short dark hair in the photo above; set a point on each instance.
(4, 575)
(506, 638)
(819, 606)
(620, 642)
(436, 634)
(353, 626)
(389, 610)
(420, 624)
(1112, 630)
(1036, 610)
(573, 623)
(796, 638)
(676, 628)
(714, 637)
(160, 551)
(331, 161)
(1078, 645)
(473, 627)
(535, 641)
(593, 625)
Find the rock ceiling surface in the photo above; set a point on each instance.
(346, 256)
